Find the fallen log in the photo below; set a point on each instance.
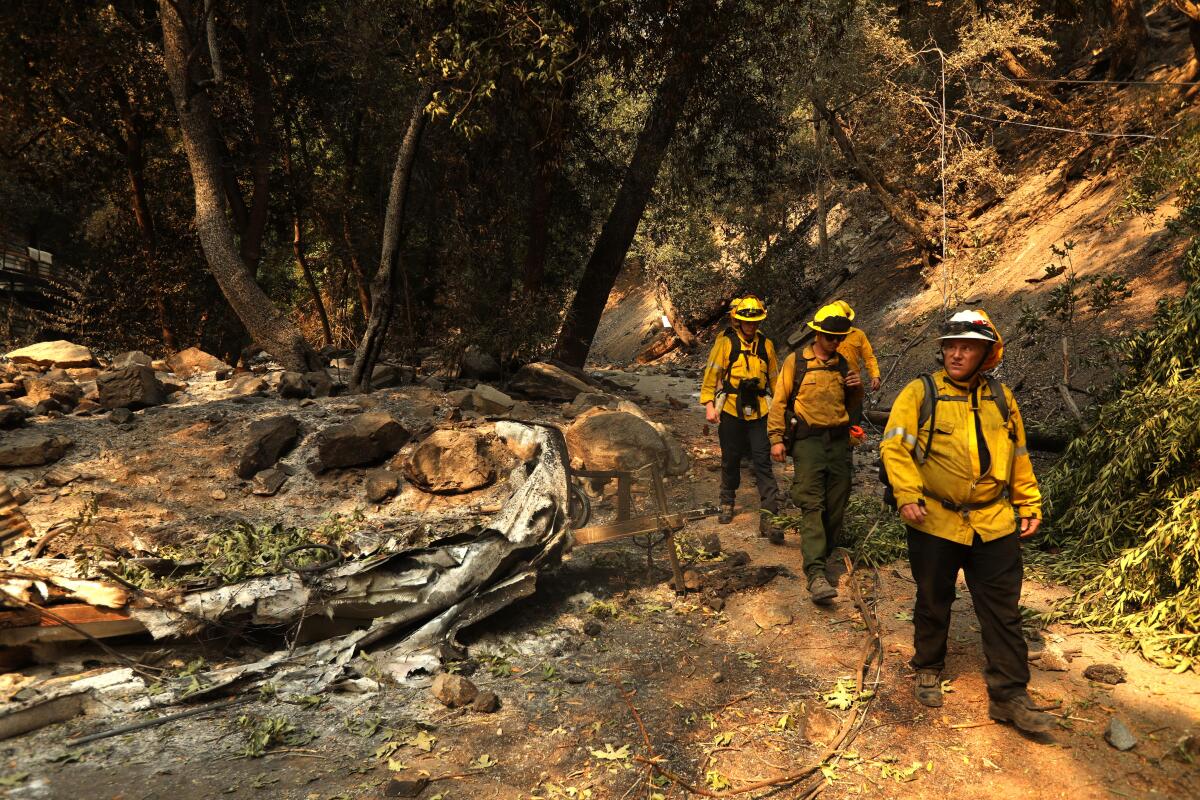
(1042, 441)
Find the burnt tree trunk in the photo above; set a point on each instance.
(1191, 9)
(270, 329)
(1129, 37)
(925, 243)
(383, 287)
(663, 294)
(608, 255)
(298, 249)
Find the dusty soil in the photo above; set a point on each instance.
(713, 689)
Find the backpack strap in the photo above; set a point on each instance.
(927, 413)
(735, 351)
(998, 396)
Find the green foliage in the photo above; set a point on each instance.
(266, 733)
(1125, 499)
(248, 551)
(872, 532)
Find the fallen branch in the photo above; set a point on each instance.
(150, 723)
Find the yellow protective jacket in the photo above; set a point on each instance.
(750, 364)
(952, 468)
(821, 401)
(858, 351)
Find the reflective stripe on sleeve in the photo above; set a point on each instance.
(908, 437)
(1021, 451)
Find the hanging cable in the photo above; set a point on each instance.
(1102, 134)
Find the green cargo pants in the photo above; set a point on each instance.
(820, 490)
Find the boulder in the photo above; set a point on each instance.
(541, 381)
(614, 440)
(121, 416)
(66, 393)
(58, 353)
(483, 399)
(293, 386)
(454, 691)
(32, 449)
(434, 383)
(268, 482)
(364, 439)
(321, 383)
(132, 358)
(83, 374)
(381, 484)
(130, 387)
(585, 401)
(1105, 673)
(479, 365)
(388, 375)
(169, 382)
(451, 462)
(678, 461)
(486, 702)
(11, 389)
(523, 410)
(1119, 736)
(246, 384)
(194, 361)
(11, 417)
(87, 407)
(267, 440)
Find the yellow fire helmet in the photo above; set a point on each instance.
(831, 319)
(845, 307)
(749, 309)
(976, 324)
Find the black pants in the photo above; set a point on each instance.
(993, 571)
(740, 439)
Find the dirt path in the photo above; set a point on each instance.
(727, 697)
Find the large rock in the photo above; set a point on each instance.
(58, 353)
(483, 399)
(130, 387)
(386, 376)
(479, 365)
(585, 401)
(614, 440)
(65, 392)
(267, 440)
(365, 439)
(194, 361)
(453, 690)
(677, 458)
(11, 417)
(293, 386)
(246, 384)
(542, 381)
(133, 358)
(381, 484)
(320, 382)
(31, 449)
(451, 462)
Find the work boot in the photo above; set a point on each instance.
(822, 593)
(726, 515)
(1020, 711)
(928, 689)
(770, 530)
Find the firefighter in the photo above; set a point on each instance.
(741, 370)
(857, 348)
(817, 400)
(955, 461)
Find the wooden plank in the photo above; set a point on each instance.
(594, 534)
(78, 613)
